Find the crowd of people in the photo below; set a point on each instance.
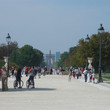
(87, 73)
(32, 72)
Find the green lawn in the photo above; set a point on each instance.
(106, 77)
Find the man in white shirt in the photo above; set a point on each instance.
(85, 72)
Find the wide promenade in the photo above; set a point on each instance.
(55, 92)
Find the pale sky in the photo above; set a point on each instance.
(54, 25)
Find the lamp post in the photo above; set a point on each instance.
(100, 31)
(8, 39)
(87, 40)
(6, 59)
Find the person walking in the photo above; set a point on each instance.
(45, 69)
(70, 74)
(89, 75)
(31, 77)
(26, 70)
(51, 71)
(73, 72)
(60, 73)
(18, 76)
(80, 73)
(93, 77)
(15, 72)
(12, 71)
(77, 72)
(39, 72)
(85, 72)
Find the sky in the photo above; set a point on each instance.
(54, 25)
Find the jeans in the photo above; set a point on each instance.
(85, 76)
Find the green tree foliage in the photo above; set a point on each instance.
(94, 45)
(80, 55)
(2, 63)
(3, 49)
(27, 56)
(69, 60)
(63, 57)
(77, 55)
(12, 47)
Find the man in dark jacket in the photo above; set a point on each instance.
(18, 76)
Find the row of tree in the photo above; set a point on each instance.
(24, 56)
(77, 56)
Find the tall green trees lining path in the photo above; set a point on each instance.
(24, 56)
(27, 56)
(77, 54)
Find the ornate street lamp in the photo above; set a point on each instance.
(87, 40)
(100, 31)
(8, 39)
(6, 59)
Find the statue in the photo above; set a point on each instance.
(6, 62)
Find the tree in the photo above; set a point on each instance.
(2, 63)
(63, 57)
(3, 49)
(27, 56)
(77, 54)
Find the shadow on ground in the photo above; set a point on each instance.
(28, 89)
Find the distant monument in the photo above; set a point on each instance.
(50, 59)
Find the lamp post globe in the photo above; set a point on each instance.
(8, 38)
(100, 31)
(87, 38)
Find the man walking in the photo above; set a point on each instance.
(85, 74)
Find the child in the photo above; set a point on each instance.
(93, 77)
(73, 73)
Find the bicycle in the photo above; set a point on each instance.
(15, 84)
(29, 84)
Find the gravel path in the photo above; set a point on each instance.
(54, 92)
